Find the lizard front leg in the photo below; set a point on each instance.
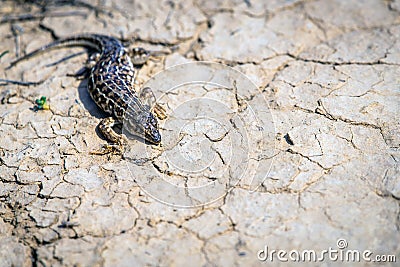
(139, 57)
(118, 140)
(148, 98)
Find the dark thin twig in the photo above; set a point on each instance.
(6, 81)
(28, 16)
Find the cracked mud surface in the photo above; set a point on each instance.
(329, 73)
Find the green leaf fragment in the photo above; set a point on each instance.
(41, 103)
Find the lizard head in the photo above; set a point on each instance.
(144, 125)
(150, 128)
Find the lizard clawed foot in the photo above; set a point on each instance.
(109, 149)
(112, 149)
(159, 111)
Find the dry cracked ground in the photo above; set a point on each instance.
(318, 132)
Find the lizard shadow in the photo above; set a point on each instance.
(88, 102)
(90, 105)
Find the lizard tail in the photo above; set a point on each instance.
(81, 40)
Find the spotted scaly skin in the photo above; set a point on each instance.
(111, 85)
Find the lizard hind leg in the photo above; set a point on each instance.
(84, 72)
(92, 60)
(139, 56)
